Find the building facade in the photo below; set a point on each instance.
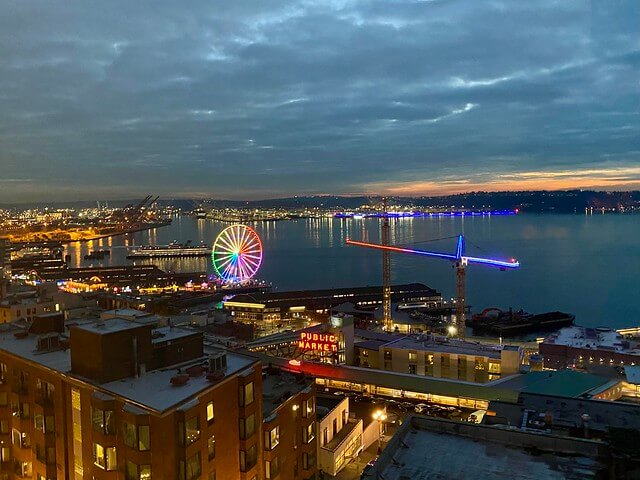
(582, 346)
(288, 426)
(440, 357)
(282, 306)
(340, 436)
(120, 400)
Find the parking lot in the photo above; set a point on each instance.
(399, 408)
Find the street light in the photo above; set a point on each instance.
(380, 416)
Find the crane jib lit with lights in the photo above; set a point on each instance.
(459, 259)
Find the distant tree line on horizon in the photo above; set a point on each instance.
(551, 201)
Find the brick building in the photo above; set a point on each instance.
(116, 399)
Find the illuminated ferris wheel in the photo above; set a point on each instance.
(237, 253)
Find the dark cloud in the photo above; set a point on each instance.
(265, 97)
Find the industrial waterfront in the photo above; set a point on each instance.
(583, 264)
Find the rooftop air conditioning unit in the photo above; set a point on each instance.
(217, 362)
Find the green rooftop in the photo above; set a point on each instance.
(563, 383)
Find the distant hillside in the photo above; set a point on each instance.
(538, 201)
(527, 201)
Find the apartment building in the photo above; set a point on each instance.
(115, 399)
(288, 426)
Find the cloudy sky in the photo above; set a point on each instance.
(263, 98)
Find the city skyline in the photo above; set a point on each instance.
(272, 99)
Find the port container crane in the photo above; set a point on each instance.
(460, 261)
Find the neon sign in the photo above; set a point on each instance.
(318, 342)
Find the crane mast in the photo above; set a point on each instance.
(386, 271)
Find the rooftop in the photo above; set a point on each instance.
(594, 339)
(165, 334)
(278, 386)
(370, 344)
(124, 313)
(152, 390)
(326, 403)
(565, 383)
(111, 325)
(424, 453)
(430, 343)
(632, 373)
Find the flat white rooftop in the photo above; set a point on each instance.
(152, 390)
(594, 339)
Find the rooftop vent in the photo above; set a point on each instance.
(48, 342)
(21, 334)
(217, 362)
(179, 380)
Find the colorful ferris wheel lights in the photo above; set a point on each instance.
(237, 253)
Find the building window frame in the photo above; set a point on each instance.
(272, 438)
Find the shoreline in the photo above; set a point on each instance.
(92, 238)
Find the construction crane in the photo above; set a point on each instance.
(387, 321)
(460, 261)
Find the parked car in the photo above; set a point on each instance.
(367, 471)
(477, 416)
(421, 408)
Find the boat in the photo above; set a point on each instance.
(174, 249)
(494, 321)
(200, 213)
(415, 305)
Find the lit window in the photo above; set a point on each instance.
(133, 471)
(75, 399)
(308, 407)
(246, 394)
(192, 430)
(308, 433)
(104, 457)
(272, 438)
(210, 413)
(144, 441)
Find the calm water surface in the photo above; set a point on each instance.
(586, 265)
